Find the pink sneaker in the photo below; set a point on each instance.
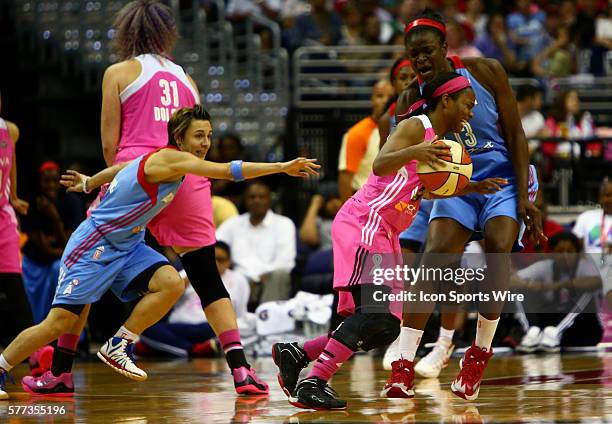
(41, 360)
(246, 382)
(606, 338)
(49, 385)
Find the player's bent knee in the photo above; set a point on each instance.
(168, 280)
(59, 321)
(368, 331)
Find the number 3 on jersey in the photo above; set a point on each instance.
(167, 96)
(466, 136)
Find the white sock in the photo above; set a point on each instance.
(410, 339)
(124, 333)
(446, 337)
(485, 330)
(4, 364)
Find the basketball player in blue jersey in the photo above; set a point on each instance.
(495, 140)
(107, 251)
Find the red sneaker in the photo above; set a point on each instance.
(473, 365)
(401, 382)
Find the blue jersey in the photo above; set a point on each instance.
(481, 135)
(126, 209)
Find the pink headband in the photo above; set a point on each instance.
(425, 22)
(452, 86)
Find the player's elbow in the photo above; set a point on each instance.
(379, 167)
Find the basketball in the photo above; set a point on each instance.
(450, 178)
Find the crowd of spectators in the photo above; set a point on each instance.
(531, 38)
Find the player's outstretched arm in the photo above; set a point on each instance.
(404, 145)
(80, 183)
(169, 165)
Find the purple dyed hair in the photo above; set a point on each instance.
(144, 26)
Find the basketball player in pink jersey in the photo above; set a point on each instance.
(15, 311)
(139, 95)
(366, 232)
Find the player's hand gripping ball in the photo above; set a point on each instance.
(450, 174)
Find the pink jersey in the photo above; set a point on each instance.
(148, 103)
(368, 225)
(7, 149)
(393, 198)
(9, 236)
(146, 107)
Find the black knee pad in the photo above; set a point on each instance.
(203, 274)
(368, 331)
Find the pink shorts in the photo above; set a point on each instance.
(188, 220)
(9, 241)
(359, 249)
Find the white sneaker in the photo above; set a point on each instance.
(4, 376)
(435, 361)
(391, 354)
(531, 340)
(117, 353)
(551, 340)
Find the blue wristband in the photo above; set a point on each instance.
(237, 170)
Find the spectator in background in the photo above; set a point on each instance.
(319, 27)
(558, 59)
(495, 43)
(242, 9)
(263, 245)
(186, 331)
(352, 25)
(371, 31)
(360, 144)
(603, 28)
(527, 30)
(562, 288)
(549, 227)
(594, 228)
(591, 53)
(53, 215)
(475, 17)
(459, 38)
(567, 120)
(567, 13)
(316, 228)
(384, 19)
(407, 10)
(228, 148)
(529, 103)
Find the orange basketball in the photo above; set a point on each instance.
(450, 178)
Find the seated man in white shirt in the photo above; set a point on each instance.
(529, 103)
(263, 245)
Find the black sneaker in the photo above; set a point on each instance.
(290, 360)
(314, 393)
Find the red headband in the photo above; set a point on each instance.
(403, 64)
(452, 86)
(45, 166)
(425, 22)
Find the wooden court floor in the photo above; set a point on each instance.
(532, 388)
